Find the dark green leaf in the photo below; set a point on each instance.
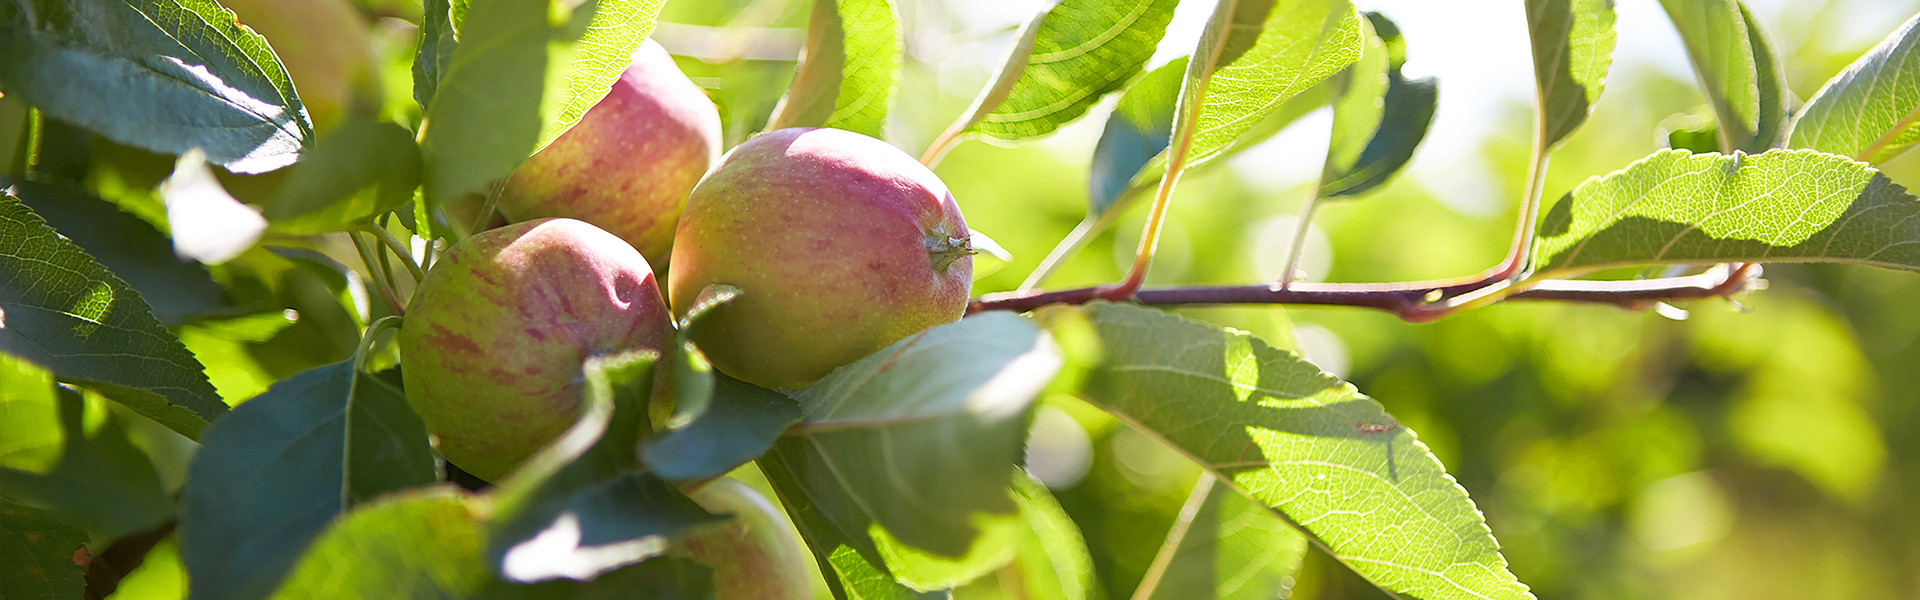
(1081, 51)
(32, 427)
(915, 443)
(1868, 111)
(360, 170)
(165, 75)
(1742, 76)
(851, 574)
(741, 425)
(177, 290)
(67, 313)
(1781, 206)
(274, 473)
(692, 375)
(37, 555)
(1377, 124)
(1572, 50)
(519, 77)
(102, 481)
(1138, 131)
(848, 70)
(577, 508)
(437, 39)
(1299, 441)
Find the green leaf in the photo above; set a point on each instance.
(1138, 130)
(602, 53)
(428, 543)
(437, 40)
(578, 508)
(1572, 50)
(102, 481)
(913, 445)
(37, 551)
(741, 425)
(422, 543)
(276, 472)
(1259, 53)
(1379, 116)
(1310, 447)
(848, 69)
(1868, 111)
(1743, 78)
(518, 78)
(692, 375)
(1234, 549)
(65, 312)
(165, 75)
(850, 574)
(360, 170)
(1053, 559)
(1782, 206)
(30, 436)
(130, 248)
(1080, 51)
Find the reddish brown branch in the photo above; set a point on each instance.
(1412, 302)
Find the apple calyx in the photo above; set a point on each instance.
(943, 249)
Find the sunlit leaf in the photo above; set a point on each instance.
(520, 69)
(1867, 112)
(1053, 558)
(63, 311)
(1081, 51)
(1299, 441)
(272, 475)
(437, 39)
(1379, 116)
(848, 69)
(1742, 76)
(177, 290)
(1781, 206)
(741, 425)
(1257, 54)
(165, 75)
(1136, 132)
(1572, 50)
(850, 574)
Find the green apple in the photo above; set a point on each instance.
(756, 555)
(495, 337)
(628, 164)
(842, 243)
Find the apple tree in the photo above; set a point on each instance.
(488, 298)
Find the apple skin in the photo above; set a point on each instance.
(755, 556)
(494, 339)
(842, 243)
(628, 164)
(327, 48)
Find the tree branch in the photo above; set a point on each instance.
(1413, 303)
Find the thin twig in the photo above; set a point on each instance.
(400, 248)
(1411, 303)
(387, 295)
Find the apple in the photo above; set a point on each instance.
(842, 243)
(754, 556)
(495, 337)
(327, 48)
(628, 164)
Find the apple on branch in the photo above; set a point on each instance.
(842, 243)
